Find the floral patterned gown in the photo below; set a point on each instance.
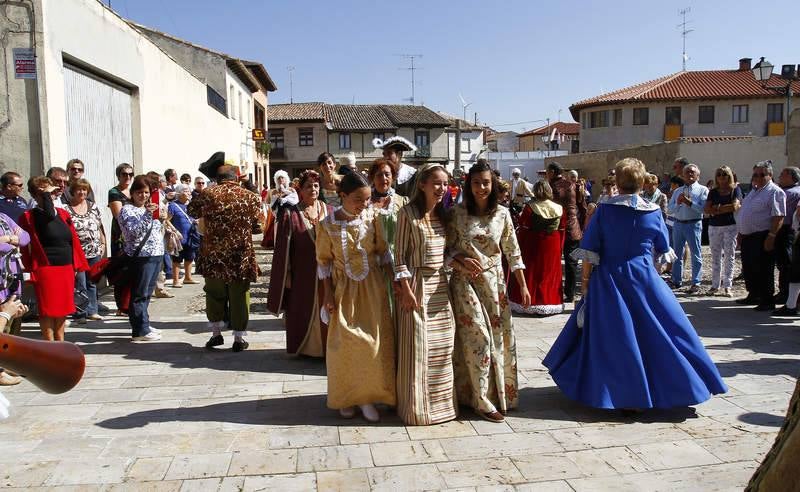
(360, 348)
(485, 357)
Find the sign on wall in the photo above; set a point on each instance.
(24, 63)
(259, 135)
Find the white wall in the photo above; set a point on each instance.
(468, 154)
(173, 124)
(241, 125)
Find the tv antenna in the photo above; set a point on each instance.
(684, 31)
(464, 105)
(291, 84)
(411, 68)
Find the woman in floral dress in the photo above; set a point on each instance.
(360, 350)
(425, 320)
(478, 234)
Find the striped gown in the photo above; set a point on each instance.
(425, 337)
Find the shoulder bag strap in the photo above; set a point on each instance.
(144, 240)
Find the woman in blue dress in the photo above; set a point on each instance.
(629, 345)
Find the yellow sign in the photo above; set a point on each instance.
(259, 135)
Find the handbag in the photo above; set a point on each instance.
(173, 239)
(193, 239)
(119, 269)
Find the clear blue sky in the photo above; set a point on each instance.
(515, 61)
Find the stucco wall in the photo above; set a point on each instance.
(614, 137)
(794, 138)
(173, 124)
(294, 153)
(740, 155)
(468, 155)
(21, 146)
(206, 66)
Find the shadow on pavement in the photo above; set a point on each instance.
(535, 403)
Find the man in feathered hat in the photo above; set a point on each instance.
(227, 258)
(393, 148)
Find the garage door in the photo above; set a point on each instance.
(98, 130)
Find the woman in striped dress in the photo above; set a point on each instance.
(426, 331)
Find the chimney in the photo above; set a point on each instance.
(744, 63)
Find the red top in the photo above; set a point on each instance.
(34, 257)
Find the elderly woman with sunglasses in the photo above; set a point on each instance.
(118, 197)
(724, 199)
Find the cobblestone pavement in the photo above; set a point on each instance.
(173, 416)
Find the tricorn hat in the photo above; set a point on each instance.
(210, 167)
(397, 143)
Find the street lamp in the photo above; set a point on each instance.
(762, 71)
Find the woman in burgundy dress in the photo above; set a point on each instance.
(294, 288)
(53, 257)
(540, 243)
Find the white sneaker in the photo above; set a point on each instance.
(150, 337)
(370, 413)
(155, 330)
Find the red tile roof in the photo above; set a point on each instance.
(560, 126)
(689, 86)
(310, 111)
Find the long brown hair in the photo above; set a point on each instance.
(469, 199)
(418, 197)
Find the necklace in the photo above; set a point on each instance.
(313, 219)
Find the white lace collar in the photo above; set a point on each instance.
(633, 201)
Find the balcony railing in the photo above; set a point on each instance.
(277, 153)
(424, 151)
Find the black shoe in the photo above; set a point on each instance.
(747, 301)
(764, 307)
(780, 298)
(240, 345)
(569, 299)
(785, 311)
(214, 341)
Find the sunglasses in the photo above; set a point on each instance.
(758, 175)
(76, 169)
(130, 175)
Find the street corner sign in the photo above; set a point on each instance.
(24, 63)
(259, 134)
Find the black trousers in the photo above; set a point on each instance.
(570, 268)
(758, 267)
(783, 258)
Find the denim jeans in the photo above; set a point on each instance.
(83, 283)
(146, 270)
(687, 233)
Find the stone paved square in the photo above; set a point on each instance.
(172, 416)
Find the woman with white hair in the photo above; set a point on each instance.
(628, 345)
(281, 196)
(190, 242)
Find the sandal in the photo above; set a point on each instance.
(191, 281)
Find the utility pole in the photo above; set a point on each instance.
(684, 31)
(291, 84)
(413, 69)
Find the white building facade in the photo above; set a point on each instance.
(106, 94)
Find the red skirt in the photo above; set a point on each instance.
(541, 253)
(55, 287)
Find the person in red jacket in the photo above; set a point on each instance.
(52, 258)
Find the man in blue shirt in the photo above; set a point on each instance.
(686, 207)
(11, 203)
